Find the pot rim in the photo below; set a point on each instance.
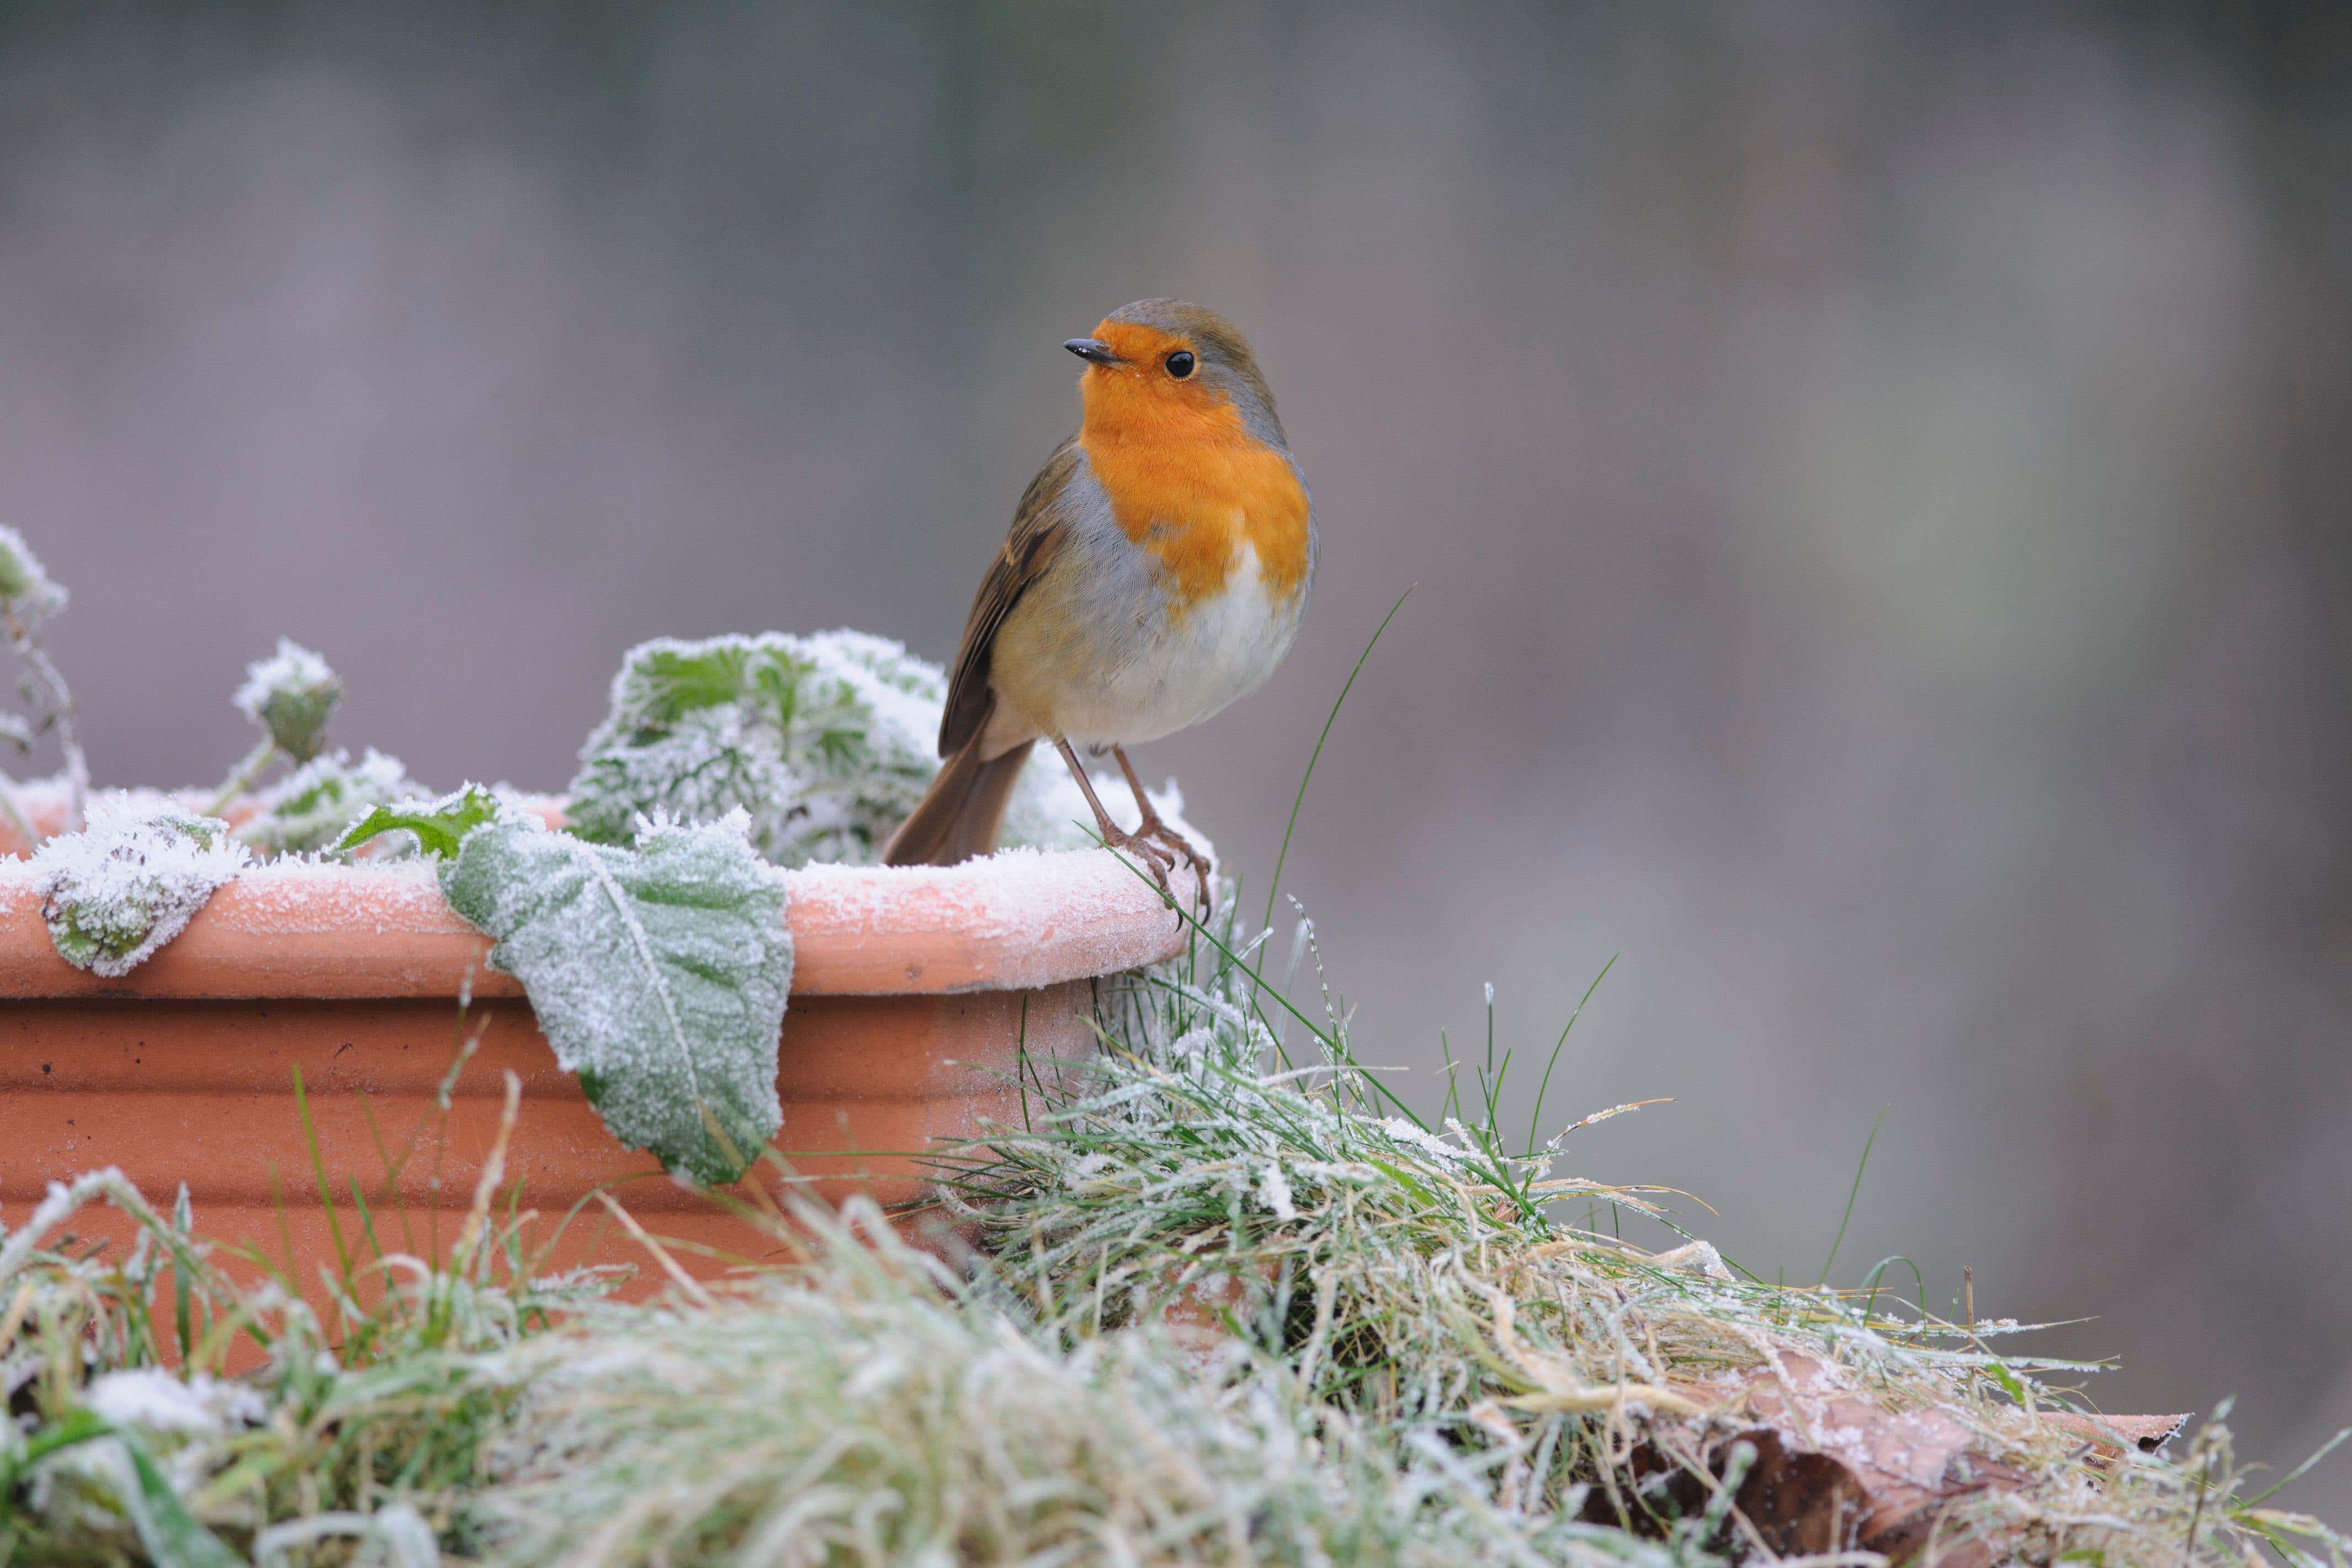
(1018, 920)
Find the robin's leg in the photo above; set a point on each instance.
(1155, 827)
(1116, 837)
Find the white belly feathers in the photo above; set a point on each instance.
(1138, 668)
(1218, 651)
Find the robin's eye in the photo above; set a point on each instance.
(1180, 365)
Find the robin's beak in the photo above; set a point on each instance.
(1093, 350)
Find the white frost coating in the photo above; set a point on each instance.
(1428, 1142)
(394, 1536)
(1045, 917)
(1274, 1191)
(1037, 918)
(1698, 1257)
(293, 897)
(26, 590)
(826, 742)
(160, 1401)
(112, 894)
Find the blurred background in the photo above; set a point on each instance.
(1876, 480)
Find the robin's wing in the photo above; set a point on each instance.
(1039, 525)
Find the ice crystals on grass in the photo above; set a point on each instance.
(157, 1401)
(114, 894)
(291, 693)
(1424, 1141)
(1274, 1191)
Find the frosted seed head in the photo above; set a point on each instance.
(26, 591)
(292, 694)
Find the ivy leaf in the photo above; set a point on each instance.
(440, 826)
(659, 973)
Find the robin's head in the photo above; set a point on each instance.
(1170, 364)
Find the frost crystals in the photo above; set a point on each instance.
(310, 807)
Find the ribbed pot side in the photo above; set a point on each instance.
(920, 1000)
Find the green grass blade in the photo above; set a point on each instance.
(319, 1173)
(1849, 1196)
(1274, 887)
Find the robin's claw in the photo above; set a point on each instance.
(1184, 846)
(1157, 859)
(1160, 832)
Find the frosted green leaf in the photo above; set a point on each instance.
(27, 591)
(310, 807)
(439, 826)
(659, 973)
(292, 694)
(114, 894)
(824, 742)
(15, 732)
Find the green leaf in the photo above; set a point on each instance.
(659, 973)
(440, 826)
(825, 742)
(696, 730)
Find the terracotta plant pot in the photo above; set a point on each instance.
(915, 996)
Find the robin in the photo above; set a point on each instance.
(1156, 570)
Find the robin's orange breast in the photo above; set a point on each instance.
(1192, 486)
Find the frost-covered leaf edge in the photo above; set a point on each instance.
(439, 826)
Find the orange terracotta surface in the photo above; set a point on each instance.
(917, 995)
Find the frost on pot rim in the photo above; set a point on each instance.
(916, 997)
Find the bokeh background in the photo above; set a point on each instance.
(1875, 478)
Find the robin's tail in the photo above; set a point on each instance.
(959, 816)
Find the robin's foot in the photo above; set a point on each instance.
(1155, 827)
(1147, 849)
(1142, 845)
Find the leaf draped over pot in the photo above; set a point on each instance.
(114, 894)
(658, 972)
